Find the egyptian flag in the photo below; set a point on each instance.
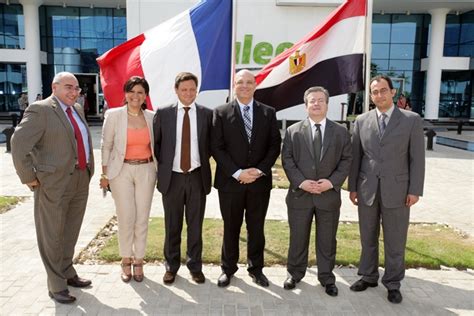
(198, 41)
(331, 56)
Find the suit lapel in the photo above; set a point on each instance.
(172, 122)
(240, 121)
(67, 125)
(308, 136)
(328, 134)
(257, 116)
(393, 122)
(199, 121)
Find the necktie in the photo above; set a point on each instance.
(81, 152)
(382, 124)
(317, 142)
(186, 142)
(247, 122)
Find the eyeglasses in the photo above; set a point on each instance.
(71, 88)
(381, 91)
(318, 101)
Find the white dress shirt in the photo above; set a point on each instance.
(195, 159)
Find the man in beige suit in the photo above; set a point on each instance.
(386, 179)
(52, 154)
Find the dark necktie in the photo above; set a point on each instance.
(247, 122)
(186, 141)
(382, 124)
(317, 142)
(81, 152)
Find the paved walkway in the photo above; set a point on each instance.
(448, 199)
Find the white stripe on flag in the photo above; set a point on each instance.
(168, 49)
(331, 44)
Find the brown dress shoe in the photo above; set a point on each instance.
(126, 277)
(198, 277)
(169, 277)
(78, 282)
(138, 276)
(62, 297)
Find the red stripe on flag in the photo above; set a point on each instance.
(117, 66)
(350, 8)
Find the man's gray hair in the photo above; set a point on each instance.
(316, 89)
(60, 75)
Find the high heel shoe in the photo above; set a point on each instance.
(126, 277)
(138, 277)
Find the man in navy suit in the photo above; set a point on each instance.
(245, 143)
(184, 175)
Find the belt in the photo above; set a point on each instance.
(189, 172)
(138, 161)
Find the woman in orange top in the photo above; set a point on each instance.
(129, 169)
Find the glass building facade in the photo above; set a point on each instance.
(72, 37)
(400, 42)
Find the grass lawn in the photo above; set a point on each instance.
(8, 202)
(429, 246)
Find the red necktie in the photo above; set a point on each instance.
(186, 142)
(81, 152)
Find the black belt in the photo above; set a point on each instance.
(138, 161)
(189, 172)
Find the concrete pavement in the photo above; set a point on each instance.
(448, 199)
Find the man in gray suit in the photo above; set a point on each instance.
(182, 132)
(316, 156)
(386, 179)
(52, 153)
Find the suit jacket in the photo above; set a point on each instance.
(165, 144)
(114, 138)
(232, 151)
(44, 145)
(299, 164)
(397, 159)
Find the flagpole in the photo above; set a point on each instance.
(232, 52)
(368, 53)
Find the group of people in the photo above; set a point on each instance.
(52, 153)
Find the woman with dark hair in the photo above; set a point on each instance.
(129, 171)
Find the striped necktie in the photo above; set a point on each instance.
(247, 122)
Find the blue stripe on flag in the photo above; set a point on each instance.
(212, 25)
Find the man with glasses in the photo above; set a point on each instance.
(52, 153)
(386, 179)
(316, 156)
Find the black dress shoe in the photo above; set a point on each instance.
(62, 297)
(169, 277)
(394, 296)
(331, 289)
(362, 285)
(78, 282)
(224, 280)
(260, 279)
(198, 277)
(289, 283)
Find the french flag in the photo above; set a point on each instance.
(332, 56)
(198, 41)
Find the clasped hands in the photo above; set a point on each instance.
(249, 175)
(316, 186)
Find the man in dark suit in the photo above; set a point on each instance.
(182, 132)
(385, 181)
(52, 153)
(316, 156)
(245, 143)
